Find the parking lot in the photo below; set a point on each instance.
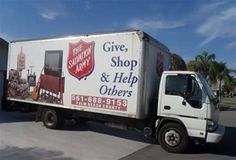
(23, 139)
(225, 150)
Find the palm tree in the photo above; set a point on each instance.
(217, 73)
(204, 60)
(229, 84)
(193, 66)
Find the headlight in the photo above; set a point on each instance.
(211, 125)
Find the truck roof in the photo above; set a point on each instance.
(74, 35)
(142, 34)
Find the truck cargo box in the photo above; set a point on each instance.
(110, 73)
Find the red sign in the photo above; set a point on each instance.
(100, 102)
(80, 61)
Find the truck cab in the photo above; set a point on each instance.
(187, 109)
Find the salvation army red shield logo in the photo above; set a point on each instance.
(80, 61)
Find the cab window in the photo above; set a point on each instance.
(185, 86)
(176, 85)
(195, 94)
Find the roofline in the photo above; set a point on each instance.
(150, 38)
(75, 35)
(144, 36)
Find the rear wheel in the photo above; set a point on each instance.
(52, 119)
(173, 138)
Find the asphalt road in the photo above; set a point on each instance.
(23, 139)
(225, 150)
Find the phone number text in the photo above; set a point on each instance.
(99, 102)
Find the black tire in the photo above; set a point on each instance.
(173, 138)
(52, 119)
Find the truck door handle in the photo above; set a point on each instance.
(167, 107)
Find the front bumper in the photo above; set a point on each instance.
(216, 136)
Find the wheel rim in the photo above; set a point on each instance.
(50, 118)
(172, 138)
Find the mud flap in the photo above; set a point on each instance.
(39, 114)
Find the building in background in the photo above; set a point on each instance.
(3, 64)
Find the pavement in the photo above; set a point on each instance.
(225, 150)
(23, 139)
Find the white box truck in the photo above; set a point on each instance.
(120, 77)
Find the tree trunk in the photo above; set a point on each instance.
(220, 91)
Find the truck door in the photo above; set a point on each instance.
(183, 100)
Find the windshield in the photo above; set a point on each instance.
(207, 87)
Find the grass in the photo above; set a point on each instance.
(226, 100)
(227, 103)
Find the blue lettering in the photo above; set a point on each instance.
(113, 62)
(118, 77)
(105, 47)
(113, 91)
(121, 78)
(118, 62)
(112, 47)
(103, 90)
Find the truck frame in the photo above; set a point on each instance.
(119, 77)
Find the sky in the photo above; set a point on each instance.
(186, 27)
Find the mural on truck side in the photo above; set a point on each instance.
(115, 77)
(18, 86)
(110, 94)
(50, 84)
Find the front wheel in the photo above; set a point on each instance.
(173, 138)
